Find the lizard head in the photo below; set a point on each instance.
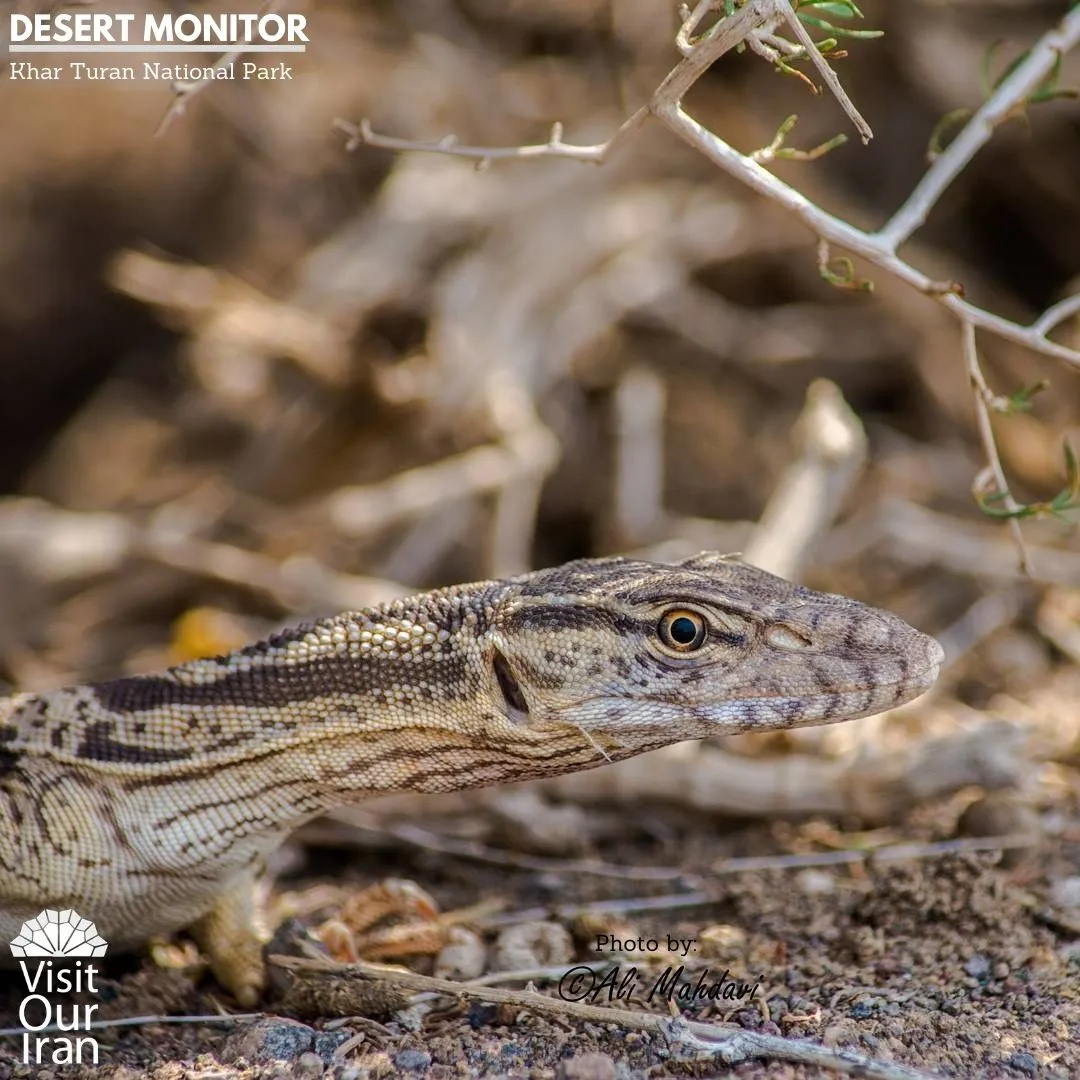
(636, 654)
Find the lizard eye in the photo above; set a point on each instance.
(682, 630)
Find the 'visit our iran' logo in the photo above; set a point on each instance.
(58, 941)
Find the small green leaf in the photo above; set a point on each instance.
(844, 276)
(1047, 90)
(944, 129)
(819, 151)
(1065, 500)
(1021, 401)
(840, 31)
(838, 9)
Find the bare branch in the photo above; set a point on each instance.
(362, 134)
(1024, 81)
(1056, 315)
(758, 19)
(729, 1045)
(183, 92)
(984, 399)
(827, 74)
(868, 245)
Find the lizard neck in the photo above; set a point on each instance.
(276, 733)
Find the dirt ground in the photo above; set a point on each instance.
(951, 964)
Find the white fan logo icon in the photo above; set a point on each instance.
(58, 933)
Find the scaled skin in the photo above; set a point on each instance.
(150, 804)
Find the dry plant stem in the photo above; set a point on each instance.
(805, 502)
(69, 545)
(1021, 84)
(512, 470)
(183, 92)
(362, 133)
(426, 840)
(517, 503)
(876, 785)
(363, 511)
(1056, 315)
(835, 231)
(142, 1021)
(690, 24)
(703, 897)
(879, 248)
(985, 617)
(827, 74)
(728, 1045)
(984, 398)
(921, 537)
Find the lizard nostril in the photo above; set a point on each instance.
(517, 706)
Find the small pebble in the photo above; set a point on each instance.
(1066, 892)
(531, 945)
(412, 1060)
(1025, 1062)
(267, 1041)
(309, 1065)
(836, 1034)
(326, 1042)
(587, 1066)
(462, 957)
(1002, 813)
(816, 882)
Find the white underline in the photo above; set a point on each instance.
(135, 49)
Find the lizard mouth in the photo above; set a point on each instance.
(756, 708)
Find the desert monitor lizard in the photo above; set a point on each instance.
(151, 803)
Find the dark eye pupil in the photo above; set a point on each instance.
(682, 630)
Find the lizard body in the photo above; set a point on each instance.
(150, 803)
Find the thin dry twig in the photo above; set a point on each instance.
(427, 840)
(512, 470)
(878, 248)
(1023, 81)
(757, 864)
(140, 1021)
(729, 1045)
(921, 537)
(362, 133)
(984, 399)
(825, 71)
(64, 545)
(184, 92)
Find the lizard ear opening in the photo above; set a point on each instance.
(516, 705)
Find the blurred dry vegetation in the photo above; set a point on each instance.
(248, 376)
